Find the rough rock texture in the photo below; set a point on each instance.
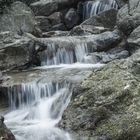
(46, 23)
(18, 18)
(3, 4)
(103, 57)
(105, 19)
(87, 30)
(71, 18)
(134, 39)
(59, 27)
(46, 8)
(106, 105)
(100, 42)
(16, 51)
(129, 17)
(5, 133)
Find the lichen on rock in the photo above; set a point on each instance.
(107, 106)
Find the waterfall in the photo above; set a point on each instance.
(39, 96)
(92, 8)
(67, 50)
(36, 109)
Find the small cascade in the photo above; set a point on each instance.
(66, 51)
(92, 8)
(56, 56)
(36, 109)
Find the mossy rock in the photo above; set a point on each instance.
(107, 106)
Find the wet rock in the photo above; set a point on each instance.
(28, 2)
(55, 34)
(16, 51)
(121, 3)
(55, 18)
(43, 23)
(59, 27)
(71, 18)
(5, 133)
(101, 42)
(70, 74)
(104, 57)
(44, 8)
(128, 17)
(93, 8)
(105, 19)
(14, 54)
(87, 30)
(107, 106)
(46, 23)
(134, 40)
(18, 18)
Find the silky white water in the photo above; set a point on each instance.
(36, 109)
(92, 8)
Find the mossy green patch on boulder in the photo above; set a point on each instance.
(107, 106)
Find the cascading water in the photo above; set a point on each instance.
(36, 109)
(92, 8)
(38, 98)
(66, 50)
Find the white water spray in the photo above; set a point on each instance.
(92, 8)
(36, 109)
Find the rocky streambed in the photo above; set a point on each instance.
(69, 69)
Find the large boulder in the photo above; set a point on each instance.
(105, 57)
(46, 23)
(46, 8)
(121, 3)
(18, 18)
(87, 30)
(106, 105)
(15, 51)
(71, 18)
(5, 133)
(43, 23)
(105, 19)
(128, 17)
(134, 39)
(100, 42)
(71, 49)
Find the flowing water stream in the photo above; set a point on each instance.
(92, 8)
(37, 107)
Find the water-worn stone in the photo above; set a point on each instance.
(107, 106)
(104, 57)
(100, 42)
(71, 18)
(16, 51)
(59, 27)
(128, 17)
(18, 18)
(5, 133)
(46, 8)
(87, 30)
(55, 33)
(46, 23)
(14, 54)
(106, 19)
(134, 40)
